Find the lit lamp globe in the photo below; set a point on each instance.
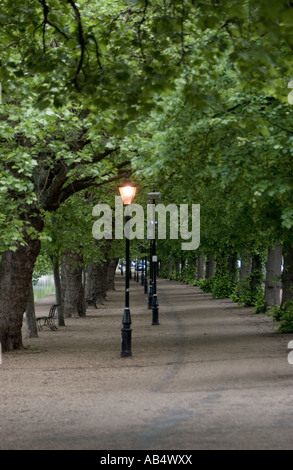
(127, 193)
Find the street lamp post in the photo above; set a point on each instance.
(142, 272)
(154, 196)
(127, 193)
(150, 296)
(145, 276)
(155, 304)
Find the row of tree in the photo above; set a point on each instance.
(252, 282)
(188, 95)
(223, 139)
(77, 287)
(235, 159)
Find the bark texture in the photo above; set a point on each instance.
(273, 282)
(98, 275)
(200, 267)
(16, 271)
(256, 272)
(96, 288)
(73, 299)
(30, 315)
(245, 268)
(58, 291)
(210, 266)
(112, 265)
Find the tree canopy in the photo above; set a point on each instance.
(191, 96)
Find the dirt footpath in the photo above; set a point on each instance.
(210, 376)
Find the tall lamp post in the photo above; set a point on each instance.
(127, 193)
(155, 303)
(150, 296)
(145, 275)
(142, 272)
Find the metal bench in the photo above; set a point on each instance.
(92, 302)
(49, 320)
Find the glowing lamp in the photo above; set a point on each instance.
(127, 193)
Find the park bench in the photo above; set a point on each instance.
(49, 320)
(92, 302)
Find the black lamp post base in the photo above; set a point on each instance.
(126, 342)
(150, 297)
(155, 310)
(155, 320)
(126, 354)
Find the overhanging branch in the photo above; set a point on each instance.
(81, 40)
(86, 183)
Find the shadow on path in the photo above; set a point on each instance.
(210, 376)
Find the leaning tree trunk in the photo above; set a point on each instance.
(30, 315)
(287, 277)
(112, 265)
(58, 291)
(273, 282)
(16, 270)
(73, 299)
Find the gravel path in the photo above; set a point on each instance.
(210, 376)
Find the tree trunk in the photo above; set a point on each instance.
(210, 266)
(232, 263)
(256, 272)
(73, 299)
(16, 270)
(233, 270)
(96, 288)
(112, 265)
(287, 277)
(162, 264)
(200, 267)
(58, 291)
(170, 267)
(244, 272)
(177, 267)
(30, 315)
(273, 282)
(182, 263)
(221, 263)
(97, 278)
(245, 268)
(195, 264)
